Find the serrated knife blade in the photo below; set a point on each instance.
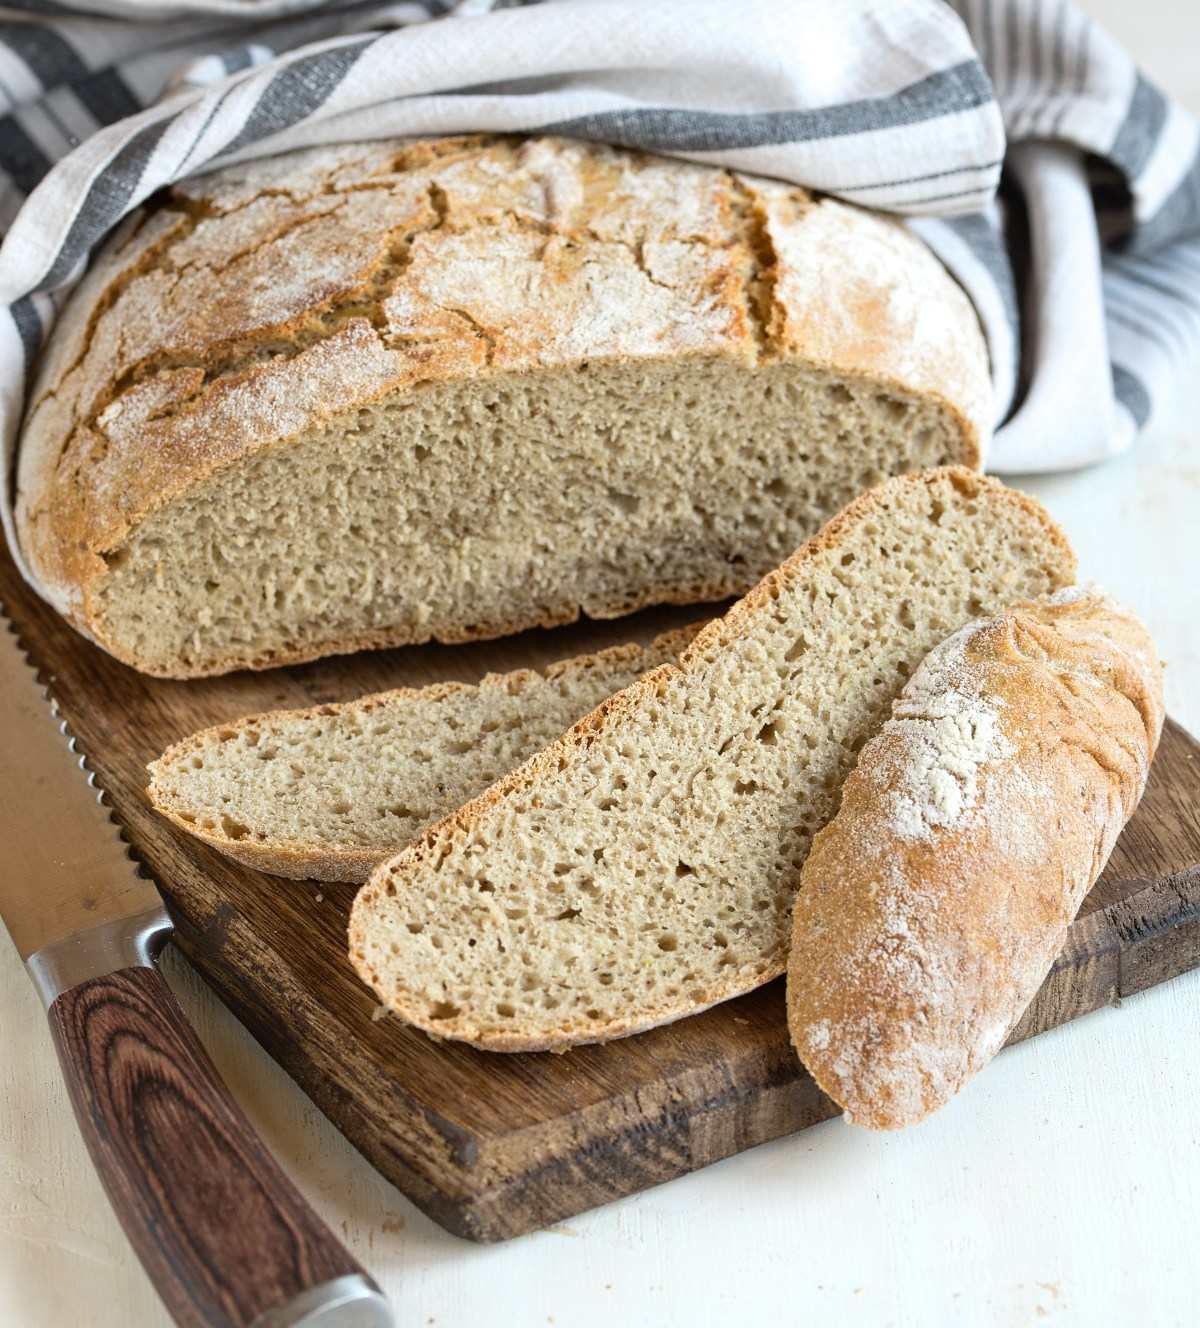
(67, 881)
(224, 1235)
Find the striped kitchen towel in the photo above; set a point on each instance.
(1084, 263)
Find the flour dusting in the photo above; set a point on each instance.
(948, 731)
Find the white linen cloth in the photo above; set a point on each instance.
(1084, 264)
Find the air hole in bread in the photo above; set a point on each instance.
(798, 650)
(234, 829)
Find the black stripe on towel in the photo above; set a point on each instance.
(960, 88)
(41, 7)
(1140, 130)
(1177, 219)
(20, 156)
(1131, 393)
(29, 327)
(51, 59)
(106, 201)
(107, 96)
(296, 91)
(916, 179)
(986, 242)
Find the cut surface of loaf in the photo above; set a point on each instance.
(933, 905)
(397, 392)
(332, 791)
(643, 866)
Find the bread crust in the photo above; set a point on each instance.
(928, 915)
(739, 620)
(184, 351)
(304, 860)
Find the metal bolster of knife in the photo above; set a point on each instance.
(352, 1301)
(132, 942)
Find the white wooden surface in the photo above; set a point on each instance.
(1063, 1185)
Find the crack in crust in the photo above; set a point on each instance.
(763, 271)
(230, 357)
(235, 356)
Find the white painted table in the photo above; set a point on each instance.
(1063, 1185)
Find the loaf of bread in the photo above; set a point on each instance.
(330, 792)
(401, 392)
(644, 866)
(933, 905)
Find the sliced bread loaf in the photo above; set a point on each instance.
(410, 391)
(643, 866)
(332, 791)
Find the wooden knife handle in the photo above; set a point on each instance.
(226, 1238)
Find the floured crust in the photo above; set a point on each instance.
(266, 300)
(738, 622)
(933, 905)
(314, 860)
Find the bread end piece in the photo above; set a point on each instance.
(933, 905)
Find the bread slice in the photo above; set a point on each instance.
(934, 903)
(397, 392)
(330, 792)
(643, 866)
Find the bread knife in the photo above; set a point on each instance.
(226, 1238)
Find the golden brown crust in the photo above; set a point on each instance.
(932, 906)
(323, 862)
(273, 298)
(738, 621)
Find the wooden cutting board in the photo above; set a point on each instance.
(493, 1146)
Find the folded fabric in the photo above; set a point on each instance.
(903, 105)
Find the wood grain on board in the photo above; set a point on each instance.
(491, 1146)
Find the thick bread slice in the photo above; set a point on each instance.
(933, 905)
(643, 867)
(397, 392)
(330, 792)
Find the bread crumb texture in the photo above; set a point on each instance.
(397, 392)
(330, 792)
(644, 866)
(932, 907)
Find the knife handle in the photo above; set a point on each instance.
(226, 1238)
